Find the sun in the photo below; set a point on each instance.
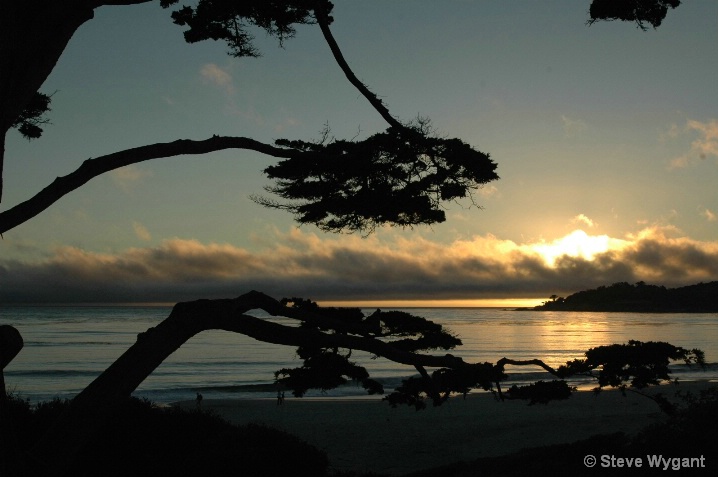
(577, 244)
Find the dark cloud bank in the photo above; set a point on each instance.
(345, 268)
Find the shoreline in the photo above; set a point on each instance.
(368, 435)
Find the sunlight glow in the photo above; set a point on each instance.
(576, 244)
(467, 303)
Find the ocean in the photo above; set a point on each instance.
(66, 347)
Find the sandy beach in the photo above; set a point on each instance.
(368, 435)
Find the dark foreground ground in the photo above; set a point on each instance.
(145, 440)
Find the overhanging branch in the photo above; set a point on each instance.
(100, 3)
(229, 315)
(96, 402)
(92, 168)
(323, 21)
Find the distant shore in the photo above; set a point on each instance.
(370, 436)
(640, 298)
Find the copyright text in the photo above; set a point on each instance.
(655, 461)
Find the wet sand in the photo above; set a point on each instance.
(368, 435)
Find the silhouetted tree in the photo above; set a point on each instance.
(397, 177)
(382, 185)
(649, 11)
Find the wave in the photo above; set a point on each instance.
(207, 364)
(710, 371)
(709, 368)
(52, 373)
(66, 343)
(71, 343)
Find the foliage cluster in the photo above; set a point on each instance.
(228, 20)
(649, 11)
(326, 368)
(397, 177)
(631, 366)
(29, 122)
(635, 364)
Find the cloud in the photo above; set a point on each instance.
(679, 162)
(582, 219)
(303, 264)
(141, 231)
(703, 147)
(577, 244)
(709, 215)
(215, 75)
(488, 191)
(126, 178)
(707, 142)
(287, 123)
(220, 78)
(573, 127)
(659, 254)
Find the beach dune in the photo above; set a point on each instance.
(368, 435)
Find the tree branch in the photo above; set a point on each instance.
(276, 308)
(2, 160)
(226, 314)
(529, 362)
(92, 168)
(431, 385)
(100, 3)
(323, 21)
(90, 409)
(43, 30)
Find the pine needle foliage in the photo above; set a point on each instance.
(399, 177)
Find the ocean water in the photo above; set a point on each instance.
(66, 347)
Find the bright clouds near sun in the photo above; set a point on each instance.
(211, 73)
(703, 146)
(304, 264)
(577, 244)
(582, 219)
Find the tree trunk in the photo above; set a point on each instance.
(33, 35)
(10, 345)
(3, 133)
(90, 409)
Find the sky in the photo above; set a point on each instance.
(606, 140)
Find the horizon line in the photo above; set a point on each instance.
(383, 303)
